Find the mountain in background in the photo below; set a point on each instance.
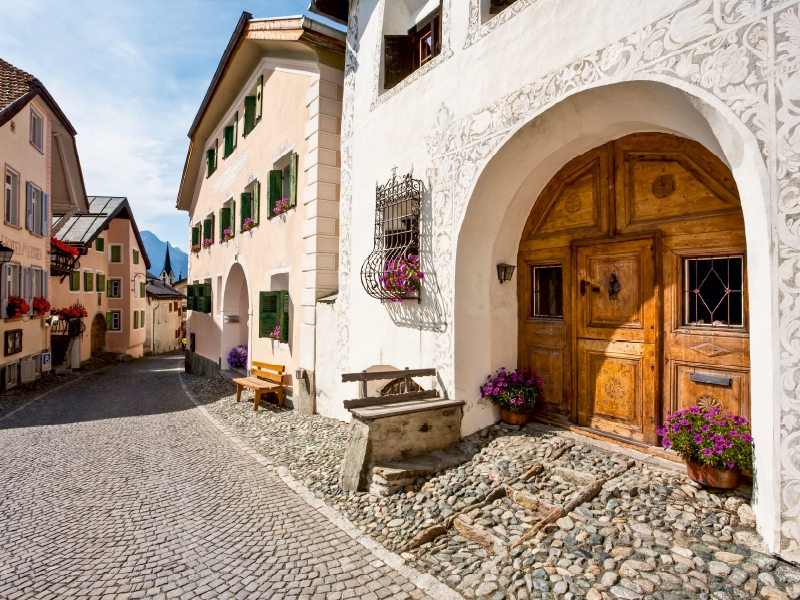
(156, 250)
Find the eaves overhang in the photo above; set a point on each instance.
(335, 10)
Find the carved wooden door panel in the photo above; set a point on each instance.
(617, 320)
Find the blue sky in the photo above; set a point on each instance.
(130, 77)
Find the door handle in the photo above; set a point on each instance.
(585, 284)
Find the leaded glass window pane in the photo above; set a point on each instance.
(714, 291)
(547, 296)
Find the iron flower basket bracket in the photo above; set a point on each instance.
(397, 211)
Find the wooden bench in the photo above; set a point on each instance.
(263, 378)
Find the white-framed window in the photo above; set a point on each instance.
(11, 215)
(114, 320)
(115, 253)
(11, 375)
(38, 283)
(10, 285)
(36, 210)
(115, 288)
(37, 129)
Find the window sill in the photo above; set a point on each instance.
(723, 330)
(40, 150)
(9, 224)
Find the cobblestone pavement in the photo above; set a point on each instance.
(117, 487)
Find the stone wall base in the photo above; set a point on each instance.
(200, 366)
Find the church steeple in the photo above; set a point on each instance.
(167, 276)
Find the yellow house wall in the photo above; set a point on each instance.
(301, 113)
(30, 250)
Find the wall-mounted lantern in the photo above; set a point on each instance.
(5, 254)
(505, 271)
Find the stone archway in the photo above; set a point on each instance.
(235, 312)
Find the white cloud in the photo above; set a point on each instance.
(130, 77)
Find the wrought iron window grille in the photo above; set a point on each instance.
(397, 240)
(714, 291)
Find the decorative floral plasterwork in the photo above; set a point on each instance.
(476, 30)
(379, 97)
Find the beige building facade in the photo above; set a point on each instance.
(265, 138)
(109, 281)
(164, 315)
(41, 178)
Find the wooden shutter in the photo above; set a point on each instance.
(256, 201)
(249, 114)
(75, 281)
(244, 200)
(233, 217)
(221, 223)
(228, 136)
(267, 313)
(109, 321)
(116, 254)
(135, 256)
(398, 59)
(199, 297)
(209, 162)
(275, 189)
(284, 303)
(195, 236)
(4, 290)
(190, 297)
(293, 179)
(29, 206)
(108, 288)
(136, 319)
(142, 289)
(45, 214)
(100, 244)
(25, 285)
(206, 229)
(259, 97)
(207, 297)
(45, 284)
(235, 128)
(87, 281)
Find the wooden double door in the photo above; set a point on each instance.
(632, 288)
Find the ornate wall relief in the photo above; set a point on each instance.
(476, 30)
(378, 97)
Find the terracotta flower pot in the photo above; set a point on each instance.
(723, 479)
(513, 418)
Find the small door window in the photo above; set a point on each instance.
(714, 291)
(546, 293)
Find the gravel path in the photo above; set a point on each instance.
(650, 533)
(118, 487)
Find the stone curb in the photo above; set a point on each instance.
(55, 389)
(427, 583)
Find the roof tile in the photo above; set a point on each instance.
(14, 83)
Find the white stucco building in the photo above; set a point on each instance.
(609, 150)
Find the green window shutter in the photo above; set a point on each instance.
(108, 288)
(256, 200)
(228, 136)
(88, 282)
(141, 317)
(135, 256)
(142, 289)
(74, 281)
(244, 200)
(116, 254)
(293, 180)
(235, 128)
(267, 313)
(221, 224)
(109, 321)
(259, 97)
(136, 319)
(210, 162)
(275, 189)
(249, 114)
(206, 229)
(97, 283)
(190, 297)
(207, 297)
(195, 236)
(199, 296)
(232, 224)
(284, 304)
(216, 153)
(99, 244)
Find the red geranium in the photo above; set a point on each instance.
(17, 307)
(71, 250)
(41, 305)
(76, 311)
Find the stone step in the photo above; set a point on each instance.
(390, 476)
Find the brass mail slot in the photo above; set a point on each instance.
(712, 379)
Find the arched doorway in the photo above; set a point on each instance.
(632, 296)
(235, 313)
(98, 339)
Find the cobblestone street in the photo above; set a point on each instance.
(117, 487)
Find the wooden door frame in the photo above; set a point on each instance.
(658, 290)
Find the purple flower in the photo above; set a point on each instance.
(661, 431)
(745, 437)
(676, 427)
(729, 464)
(666, 442)
(698, 439)
(704, 428)
(733, 433)
(707, 451)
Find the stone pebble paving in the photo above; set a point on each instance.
(118, 487)
(650, 533)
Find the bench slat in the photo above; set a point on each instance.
(376, 375)
(390, 399)
(269, 367)
(266, 375)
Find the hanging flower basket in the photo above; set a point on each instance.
(227, 235)
(66, 248)
(402, 277)
(17, 307)
(207, 243)
(41, 305)
(237, 357)
(76, 311)
(248, 224)
(515, 393)
(716, 447)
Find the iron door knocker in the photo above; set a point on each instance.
(614, 287)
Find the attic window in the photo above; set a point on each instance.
(404, 54)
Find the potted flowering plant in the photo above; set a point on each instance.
(195, 248)
(281, 206)
(716, 447)
(276, 333)
(515, 393)
(237, 357)
(41, 305)
(66, 248)
(248, 224)
(402, 276)
(227, 235)
(207, 243)
(76, 311)
(17, 307)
